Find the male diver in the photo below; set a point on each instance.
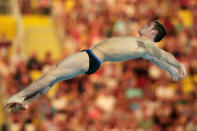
(88, 61)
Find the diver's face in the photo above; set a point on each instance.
(147, 30)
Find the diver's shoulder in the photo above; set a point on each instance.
(145, 41)
(136, 39)
(123, 37)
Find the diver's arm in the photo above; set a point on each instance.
(162, 64)
(153, 51)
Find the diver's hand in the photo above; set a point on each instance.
(182, 71)
(175, 74)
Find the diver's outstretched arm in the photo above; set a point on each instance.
(173, 71)
(164, 57)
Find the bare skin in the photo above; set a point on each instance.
(114, 49)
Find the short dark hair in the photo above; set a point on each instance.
(161, 31)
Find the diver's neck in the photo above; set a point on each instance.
(146, 38)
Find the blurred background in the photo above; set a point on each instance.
(129, 96)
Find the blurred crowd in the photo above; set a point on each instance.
(129, 96)
(35, 6)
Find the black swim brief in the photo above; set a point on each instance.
(94, 62)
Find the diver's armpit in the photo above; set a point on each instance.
(141, 44)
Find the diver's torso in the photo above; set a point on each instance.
(120, 48)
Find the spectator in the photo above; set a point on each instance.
(4, 45)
